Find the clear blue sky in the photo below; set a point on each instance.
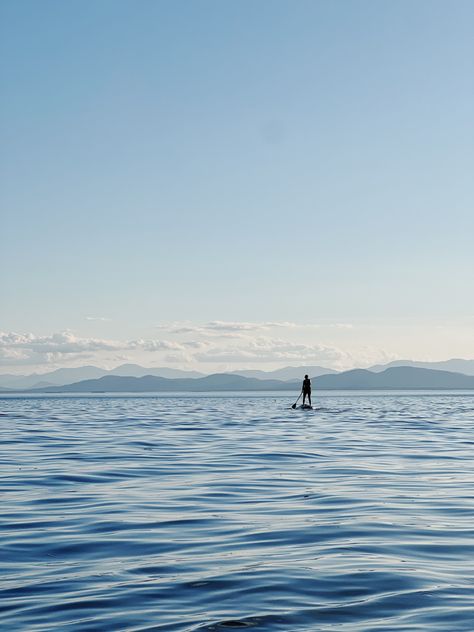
(239, 161)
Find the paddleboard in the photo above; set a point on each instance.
(306, 407)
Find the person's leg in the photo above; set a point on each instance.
(304, 397)
(309, 399)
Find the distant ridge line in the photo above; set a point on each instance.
(71, 375)
(394, 378)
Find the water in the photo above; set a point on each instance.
(209, 513)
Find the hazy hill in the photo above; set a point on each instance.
(135, 370)
(286, 373)
(404, 377)
(456, 365)
(394, 377)
(59, 376)
(76, 374)
(150, 383)
(42, 385)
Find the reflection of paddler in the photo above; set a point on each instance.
(306, 390)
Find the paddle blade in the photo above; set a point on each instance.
(294, 406)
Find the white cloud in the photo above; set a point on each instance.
(63, 342)
(271, 350)
(237, 343)
(100, 318)
(154, 345)
(226, 329)
(28, 348)
(221, 325)
(266, 350)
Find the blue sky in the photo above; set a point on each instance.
(307, 163)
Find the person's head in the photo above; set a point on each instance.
(305, 377)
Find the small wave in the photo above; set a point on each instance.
(211, 514)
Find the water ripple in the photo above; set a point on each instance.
(207, 513)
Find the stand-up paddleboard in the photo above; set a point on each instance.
(301, 406)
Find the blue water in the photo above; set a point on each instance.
(213, 513)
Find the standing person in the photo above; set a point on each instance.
(306, 389)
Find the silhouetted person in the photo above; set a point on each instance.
(306, 389)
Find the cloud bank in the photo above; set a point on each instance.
(221, 328)
(237, 343)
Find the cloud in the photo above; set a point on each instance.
(64, 342)
(28, 348)
(100, 318)
(235, 344)
(226, 329)
(276, 350)
(154, 345)
(271, 350)
(196, 344)
(184, 330)
(177, 358)
(222, 327)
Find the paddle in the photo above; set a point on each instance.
(294, 405)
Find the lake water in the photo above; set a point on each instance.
(202, 513)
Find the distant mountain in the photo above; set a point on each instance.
(456, 365)
(286, 373)
(394, 378)
(42, 385)
(151, 383)
(134, 370)
(378, 377)
(70, 375)
(59, 376)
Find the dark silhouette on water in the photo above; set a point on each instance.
(306, 390)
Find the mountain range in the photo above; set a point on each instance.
(393, 378)
(60, 377)
(69, 375)
(456, 365)
(64, 376)
(151, 383)
(286, 373)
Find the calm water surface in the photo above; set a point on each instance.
(209, 513)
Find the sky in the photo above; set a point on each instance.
(240, 184)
